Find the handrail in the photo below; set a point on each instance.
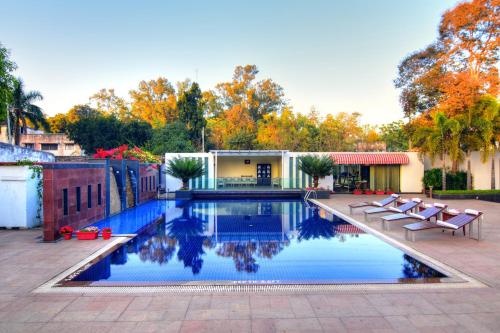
(308, 194)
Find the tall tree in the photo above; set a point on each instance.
(256, 98)
(433, 141)
(155, 102)
(173, 138)
(478, 125)
(106, 101)
(233, 129)
(58, 123)
(394, 136)
(190, 106)
(22, 110)
(7, 80)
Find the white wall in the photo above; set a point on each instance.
(18, 197)
(481, 171)
(174, 184)
(412, 174)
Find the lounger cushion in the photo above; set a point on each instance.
(416, 199)
(440, 205)
(447, 225)
(395, 209)
(395, 195)
(404, 200)
(417, 216)
(472, 212)
(378, 204)
(453, 211)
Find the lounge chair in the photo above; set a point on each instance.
(382, 203)
(459, 221)
(407, 206)
(427, 214)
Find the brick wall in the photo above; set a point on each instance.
(61, 178)
(147, 182)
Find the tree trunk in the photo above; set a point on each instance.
(185, 184)
(493, 180)
(17, 129)
(315, 181)
(443, 173)
(469, 175)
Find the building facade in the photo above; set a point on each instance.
(279, 169)
(56, 143)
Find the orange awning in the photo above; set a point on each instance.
(370, 158)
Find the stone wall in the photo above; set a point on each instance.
(11, 153)
(61, 183)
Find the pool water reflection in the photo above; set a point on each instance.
(253, 241)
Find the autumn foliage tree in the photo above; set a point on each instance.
(453, 74)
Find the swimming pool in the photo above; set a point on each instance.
(249, 242)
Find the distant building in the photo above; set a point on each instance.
(56, 143)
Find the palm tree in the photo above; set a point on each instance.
(479, 130)
(316, 167)
(440, 139)
(185, 169)
(22, 109)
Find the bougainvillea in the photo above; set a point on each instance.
(124, 152)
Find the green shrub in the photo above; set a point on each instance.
(454, 181)
(460, 192)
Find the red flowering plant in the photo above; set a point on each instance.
(106, 230)
(124, 152)
(66, 230)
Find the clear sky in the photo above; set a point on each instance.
(335, 55)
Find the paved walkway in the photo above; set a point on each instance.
(26, 264)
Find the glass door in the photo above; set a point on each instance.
(264, 174)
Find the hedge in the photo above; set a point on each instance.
(454, 181)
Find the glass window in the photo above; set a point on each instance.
(29, 145)
(89, 196)
(99, 194)
(65, 201)
(78, 199)
(50, 146)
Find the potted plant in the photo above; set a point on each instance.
(66, 231)
(389, 191)
(184, 169)
(357, 191)
(379, 192)
(369, 191)
(106, 233)
(88, 233)
(317, 167)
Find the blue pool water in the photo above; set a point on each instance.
(248, 241)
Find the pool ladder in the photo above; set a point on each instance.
(309, 193)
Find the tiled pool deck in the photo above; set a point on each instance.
(25, 264)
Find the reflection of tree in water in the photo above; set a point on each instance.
(188, 231)
(414, 269)
(158, 249)
(316, 227)
(243, 253)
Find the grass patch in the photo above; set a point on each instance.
(462, 192)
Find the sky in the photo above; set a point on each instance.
(338, 56)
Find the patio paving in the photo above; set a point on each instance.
(25, 264)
